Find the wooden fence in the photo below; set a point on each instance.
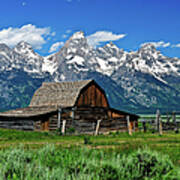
(167, 122)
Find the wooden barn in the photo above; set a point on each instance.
(80, 106)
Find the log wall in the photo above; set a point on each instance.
(84, 121)
(115, 124)
(19, 124)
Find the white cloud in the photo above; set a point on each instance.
(66, 34)
(29, 33)
(68, 31)
(103, 36)
(176, 45)
(56, 46)
(53, 33)
(158, 44)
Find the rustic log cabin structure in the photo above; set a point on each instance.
(81, 106)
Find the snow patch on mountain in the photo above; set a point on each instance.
(77, 35)
(76, 60)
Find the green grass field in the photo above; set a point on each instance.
(91, 150)
(168, 143)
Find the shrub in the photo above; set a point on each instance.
(58, 131)
(14, 163)
(144, 164)
(87, 140)
(108, 172)
(70, 130)
(55, 163)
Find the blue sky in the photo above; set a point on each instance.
(47, 24)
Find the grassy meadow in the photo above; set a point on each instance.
(48, 155)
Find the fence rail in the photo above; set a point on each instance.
(160, 123)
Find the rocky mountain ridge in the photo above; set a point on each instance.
(140, 81)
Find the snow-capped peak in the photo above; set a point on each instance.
(4, 47)
(148, 47)
(22, 46)
(26, 49)
(77, 35)
(111, 45)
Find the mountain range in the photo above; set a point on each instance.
(140, 81)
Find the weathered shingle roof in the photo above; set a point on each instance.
(29, 111)
(51, 96)
(62, 94)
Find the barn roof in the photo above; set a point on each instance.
(51, 96)
(29, 111)
(62, 94)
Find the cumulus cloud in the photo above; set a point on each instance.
(161, 44)
(30, 33)
(176, 45)
(103, 36)
(56, 46)
(53, 33)
(66, 34)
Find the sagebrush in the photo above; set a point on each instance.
(55, 163)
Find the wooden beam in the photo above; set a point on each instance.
(160, 128)
(174, 117)
(59, 118)
(168, 118)
(144, 126)
(134, 126)
(128, 125)
(63, 126)
(73, 113)
(97, 127)
(73, 116)
(157, 119)
(176, 128)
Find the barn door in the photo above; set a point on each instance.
(45, 125)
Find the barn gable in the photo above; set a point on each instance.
(92, 95)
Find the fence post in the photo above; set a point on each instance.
(168, 118)
(59, 118)
(144, 126)
(63, 127)
(72, 117)
(97, 127)
(134, 126)
(128, 125)
(157, 120)
(160, 128)
(175, 122)
(174, 117)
